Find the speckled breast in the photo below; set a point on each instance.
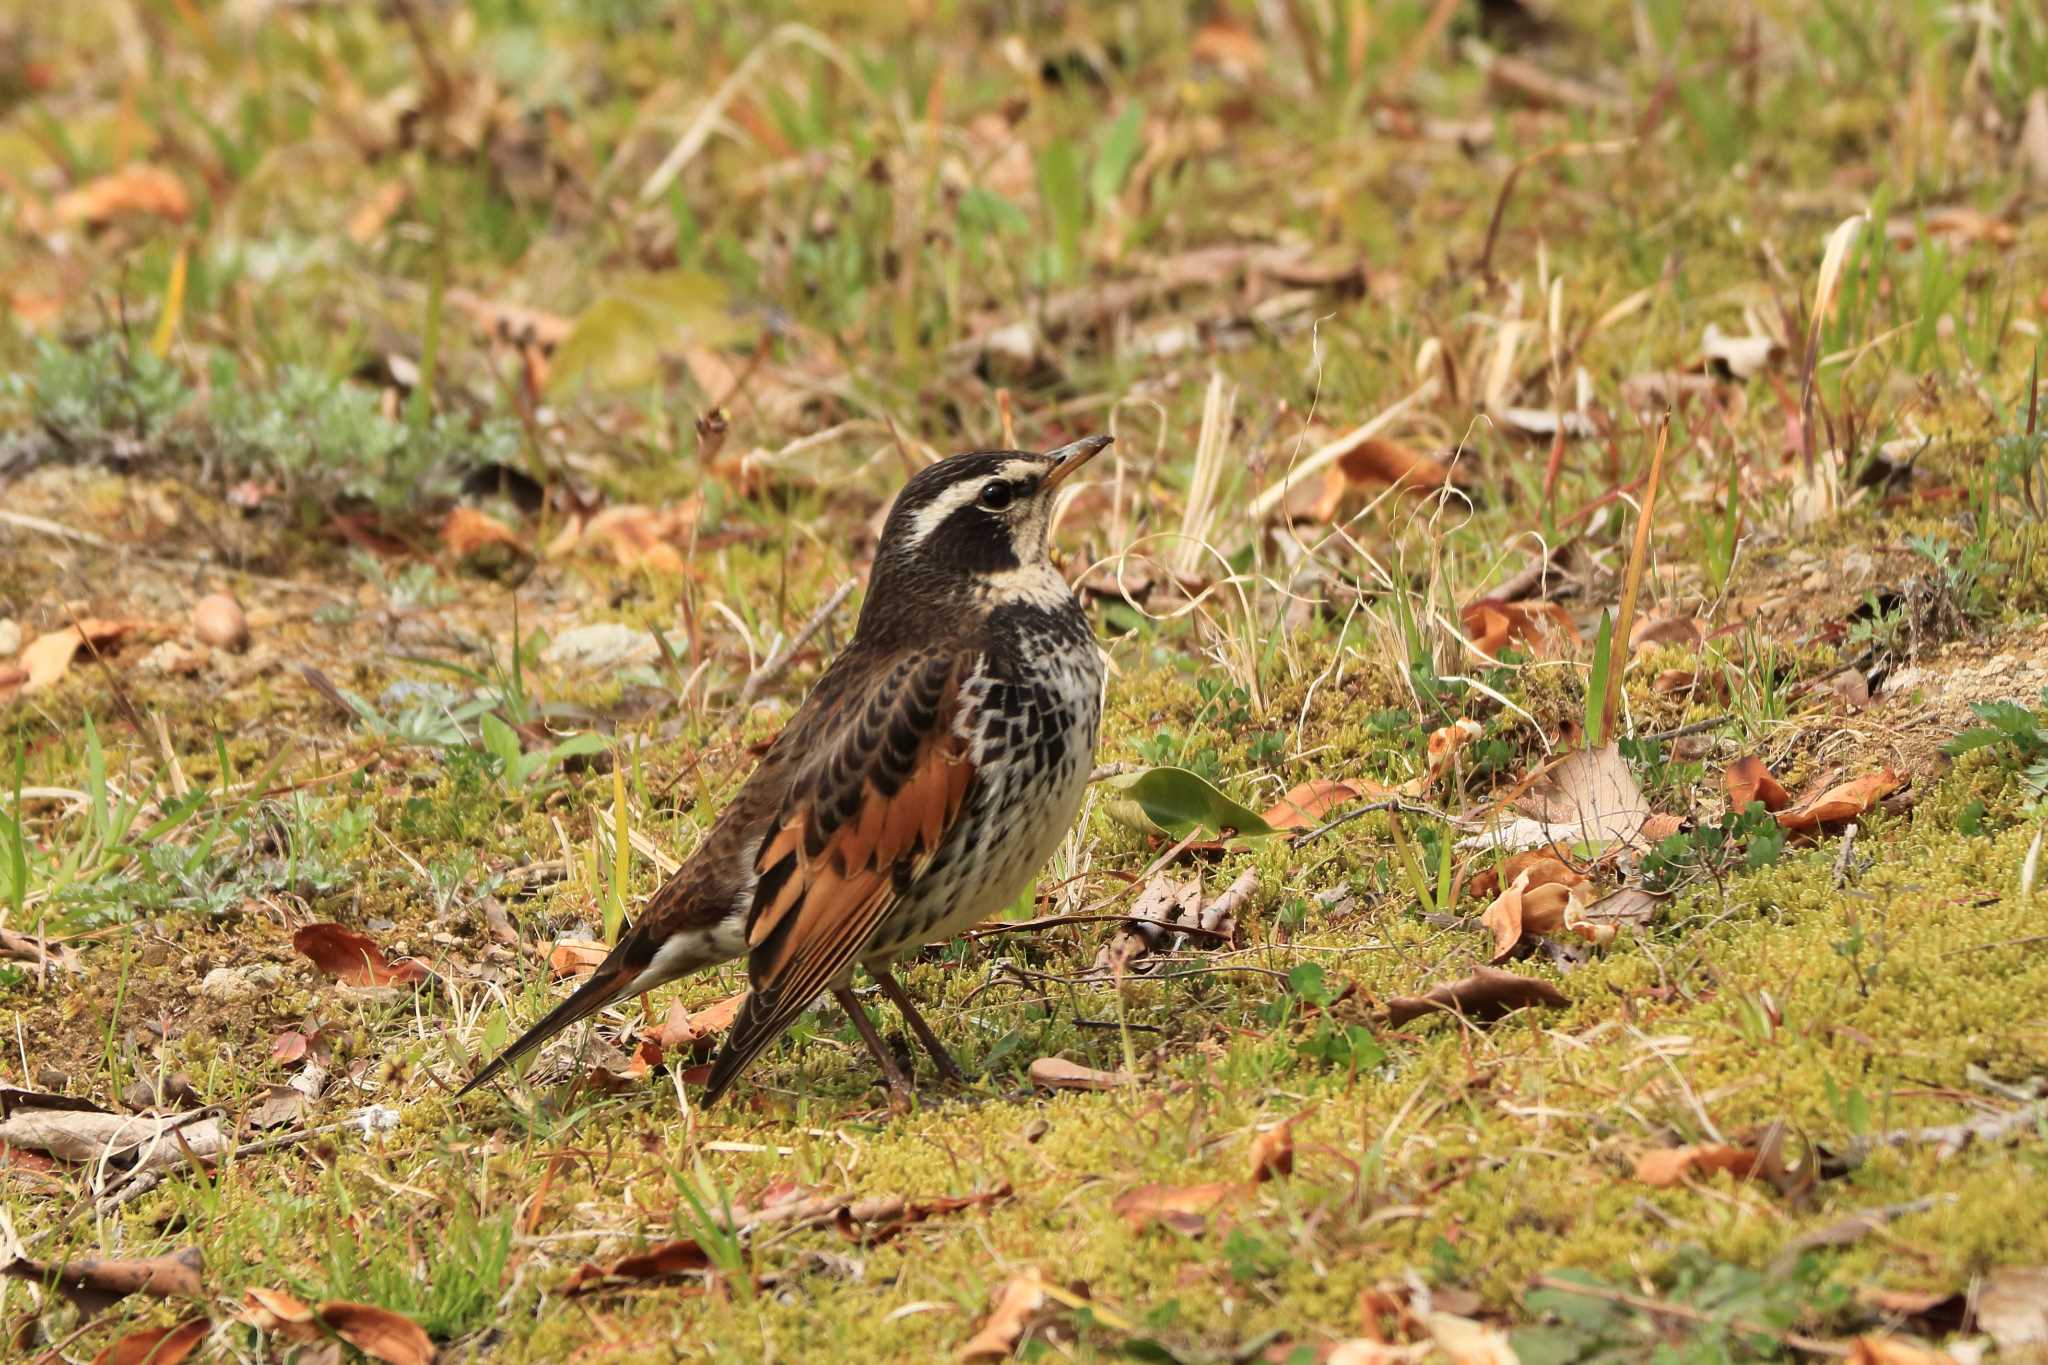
(1031, 714)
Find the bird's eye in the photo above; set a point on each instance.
(996, 495)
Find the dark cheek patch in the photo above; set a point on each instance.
(973, 540)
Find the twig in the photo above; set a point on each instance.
(1697, 727)
(1953, 1136)
(1686, 1313)
(1372, 807)
(774, 665)
(1484, 264)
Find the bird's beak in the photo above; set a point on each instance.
(1069, 458)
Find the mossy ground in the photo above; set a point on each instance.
(1899, 988)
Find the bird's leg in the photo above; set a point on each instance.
(899, 997)
(899, 1084)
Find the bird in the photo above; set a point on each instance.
(932, 770)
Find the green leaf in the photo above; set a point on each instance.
(618, 342)
(1120, 147)
(1065, 199)
(1174, 802)
(1596, 686)
(502, 743)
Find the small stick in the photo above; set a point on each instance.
(773, 666)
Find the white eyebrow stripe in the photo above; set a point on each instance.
(933, 514)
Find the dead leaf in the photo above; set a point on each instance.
(1844, 802)
(468, 531)
(1749, 780)
(1956, 224)
(1465, 1342)
(572, 957)
(1374, 461)
(1504, 918)
(2012, 1306)
(95, 1285)
(378, 1333)
(1667, 1166)
(48, 657)
(29, 948)
(1545, 866)
(1738, 357)
(1180, 1207)
(355, 959)
(1230, 47)
(1488, 993)
(1057, 1073)
(684, 1256)
(157, 1345)
(1273, 1151)
(1020, 1299)
(1305, 806)
(1590, 797)
(695, 1031)
(288, 1047)
(1666, 630)
(134, 190)
(1492, 625)
(375, 213)
(1891, 1350)
(277, 1313)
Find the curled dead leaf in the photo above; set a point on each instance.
(1273, 1151)
(1492, 625)
(1184, 1208)
(1667, 1166)
(1057, 1073)
(48, 657)
(1017, 1303)
(1305, 806)
(136, 190)
(1372, 462)
(684, 1256)
(95, 1285)
(572, 957)
(378, 1333)
(466, 531)
(1843, 802)
(1488, 993)
(355, 959)
(1749, 780)
(157, 1345)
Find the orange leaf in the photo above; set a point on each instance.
(467, 530)
(134, 189)
(1843, 802)
(1504, 918)
(1177, 1206)
(1544, 865)
(1749, 780)
(1667, 1166)
(373, 214)
(1273, 1152)
(1306, 805)
(666, 1261)
(379, 1333)
(1021, 1297)
(278, 1313)
(576, 957)
(156, 1346)
(1668, 630)
(355, 959)
(1057, 1073)
(1493, 625)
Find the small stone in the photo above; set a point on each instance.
(176, 659)
(232, 985)
(218, 619)
(10, 637)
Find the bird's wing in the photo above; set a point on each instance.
(863, 820)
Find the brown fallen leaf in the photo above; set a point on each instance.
(277, 1313)
(1230, 47)
(157, 1345)
(1273, 1151)
(1843, 802)
(94, 1285)
(573, 957)
(1749, 780)
(1504, 918)
(1666, 630)
(1465, 1342)
(1492, 625)
(1667, 1166)
(375, 213)
(2012, 1305)
(466, 531)
(48, 657)
(1488, 993)
(1370, 463)
(378, 1333)
(1020, 1299)
(355, 959)
(1305, 806)
(134, 190)
(1057, 1073)
(1885, 1349)
(29, 948)
(1956, 224)
(695, 1031)
(1180, 1207)
(684, 1256)
(1544, 866)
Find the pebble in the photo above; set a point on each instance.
(10, 637)
(232, 985)
(218, 619)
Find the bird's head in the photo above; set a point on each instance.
(972, 524)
